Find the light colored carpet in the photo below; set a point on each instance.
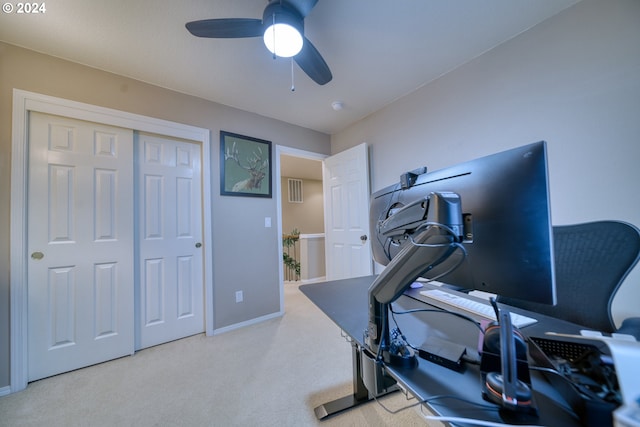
(270, 374)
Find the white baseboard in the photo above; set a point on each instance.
(247, 323)
(5, 390)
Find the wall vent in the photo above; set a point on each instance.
(295, 190)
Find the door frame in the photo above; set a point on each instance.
(23, 103)
(295, 152)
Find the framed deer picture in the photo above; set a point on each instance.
(245, 166)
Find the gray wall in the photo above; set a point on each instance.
(307, 217)
(239, 236)
(573, 80)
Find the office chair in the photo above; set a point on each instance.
(591, 261)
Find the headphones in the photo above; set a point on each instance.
(494, 381)
(492, 340)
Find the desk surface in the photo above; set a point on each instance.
(346, 303)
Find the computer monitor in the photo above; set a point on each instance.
(506, 231)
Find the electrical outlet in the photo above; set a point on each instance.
(239, 296)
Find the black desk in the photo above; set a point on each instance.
(346, 303)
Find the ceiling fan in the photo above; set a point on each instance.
(282, 29)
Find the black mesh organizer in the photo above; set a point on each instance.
(567, 350)
(584, 374)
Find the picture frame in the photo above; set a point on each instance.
(245, 166)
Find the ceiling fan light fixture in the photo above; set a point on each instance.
(283, 40)
(283, 29)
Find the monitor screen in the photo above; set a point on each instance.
(506, 216)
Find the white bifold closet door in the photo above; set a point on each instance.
(170, 264)
(80, 233)
(114, 243)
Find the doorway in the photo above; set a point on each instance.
(300, 217)
(345, 179)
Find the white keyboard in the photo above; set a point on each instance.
(474, 307)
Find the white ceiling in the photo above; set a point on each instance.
(378, 50)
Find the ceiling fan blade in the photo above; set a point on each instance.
(302, 6)
(226, 28)
(311, 62)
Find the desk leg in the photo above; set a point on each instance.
(360, 393)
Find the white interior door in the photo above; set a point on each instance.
(170, 262)
(346, 190)
(80, 271)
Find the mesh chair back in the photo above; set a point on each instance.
(591, 261)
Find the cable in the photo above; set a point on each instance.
(436, 224)
(398, 328)
(453, 267)
(543, 369)
(473, 421)
(385, 324)
(440, 311)
(439, 245)
(430, 400)
(467, 359)
(386, 246)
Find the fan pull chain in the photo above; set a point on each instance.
(293, 83)
(274, 35)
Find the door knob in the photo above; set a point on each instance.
(198, 245)
(363, 238)
(37, 256)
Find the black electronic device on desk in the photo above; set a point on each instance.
(443, 352)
